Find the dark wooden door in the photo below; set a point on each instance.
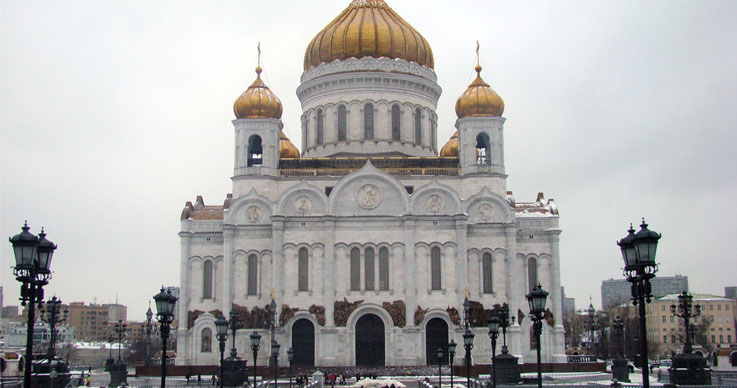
(303, 343)
(370, 341)
(436, 336)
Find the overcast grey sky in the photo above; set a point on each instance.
(113, 114)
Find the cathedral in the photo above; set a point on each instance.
(368, 241)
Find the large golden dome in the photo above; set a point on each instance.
(450, 149)
(479, 99)
(368, 28)
(287, 150)
(258, 101)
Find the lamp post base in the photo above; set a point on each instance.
(620, 370)
(507, 369)
(118, 372)
(689, 369)
(234, 372)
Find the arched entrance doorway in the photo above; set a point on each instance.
(369, 341)
(303, 343)
(436, 336)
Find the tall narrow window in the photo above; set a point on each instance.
(486, 258)
(319, 127)
(342, 121)
(255, 151)
(532, 273)
(435, 267)
(369, 262)
(303, 266)
(368, 121)
(207, 280)
(355, 270)
(252, 275)
(206, 340)
(383, 269)
(418, 126)
(395, 122)
(483, 149)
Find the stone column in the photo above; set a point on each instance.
(558, 332)
(515, 272)
(228, 232)
(277, 260)
(182, 342)
(330, 275)
(410, 268)
(461, 260)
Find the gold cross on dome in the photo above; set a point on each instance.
(272, 293)
(466, 291)
(258, 48)
(478, 62)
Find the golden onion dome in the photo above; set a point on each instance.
(257, 102)
(368, 28)
(479, 99)
(287, 150)
(450, 149)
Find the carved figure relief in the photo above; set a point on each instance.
(435, 203)
(453, 315)
(368, 196)
(420, 315)
(343, 309)
(485, 211)
(319, 313)
(303, 204)
(396, 310)
(253, 213)
(286, 314)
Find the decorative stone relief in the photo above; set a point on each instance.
(520, 316)
(241, 315)
(303, 204)
(286, 314)
(192, 316)
(368, 196)
(549, 317)
(396, 310)
(485, 211)
(435, 203)
(453, 315)
(479, 315)
(420, 315)
(343, 310)
(319, 313)
(368, 64)
(253, 213)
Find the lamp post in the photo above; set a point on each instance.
(290, 357)
(165, 302)
(149, 327)
(468, 339)
(618, 326)
(32, 269)
(255, 345)
(233, 327)
(110, 341)
(536, 299)
(51, 316)
(620, 371)
(494, 323)
(452, 355)
(439, 353)
(504, 324)
(221, 330)
(120, 328)
(638, 251)
(275, 355)
(592, 317)
(686, 310)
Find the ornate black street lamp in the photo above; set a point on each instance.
(33, 270)
(452, 355)
(275, 355)
(468, 339)
(149, 329)
(111, 341)
(620, 371)
(504, 324)
(592, 325)
(290, 357)
(233, 328)
(50, 315)
(494, 323)
(638, 252)
(686, 310)
(439, 352)
(255, 345)
(536, 299)
(165, 302)
(618, 326)
(221, 330)
(120, 329)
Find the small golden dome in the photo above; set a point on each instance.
(287, 150)
(479, 99)
(368, 28)
(257, 102)
(450, 149)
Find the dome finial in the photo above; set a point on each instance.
(478, 61)
(479, 99)
(258, 102)
(258, 63)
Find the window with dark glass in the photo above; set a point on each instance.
(486, 258)
(369, 262)
(319, 126)
(383, 269)
(395, 122)
(355, 270)
(303, 266)
(207, 280)
(368, 121)
(418, 126)
(532, 273)
(342, 122)
(252, 275)
(435, 268)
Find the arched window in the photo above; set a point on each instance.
(532, 273)
(207, 280)
(383, 269)
(369, 262)
(483, 149)
(435, 267)
(342, 122)
(206, 340)
(318, 139)
(303, 266)
(255, 151)
(355, 270)
(486, 259)
(252, 275)
(368, 121)
(418, 126)
(395, 122)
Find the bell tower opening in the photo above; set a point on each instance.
(483, 149)
(255, 151)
